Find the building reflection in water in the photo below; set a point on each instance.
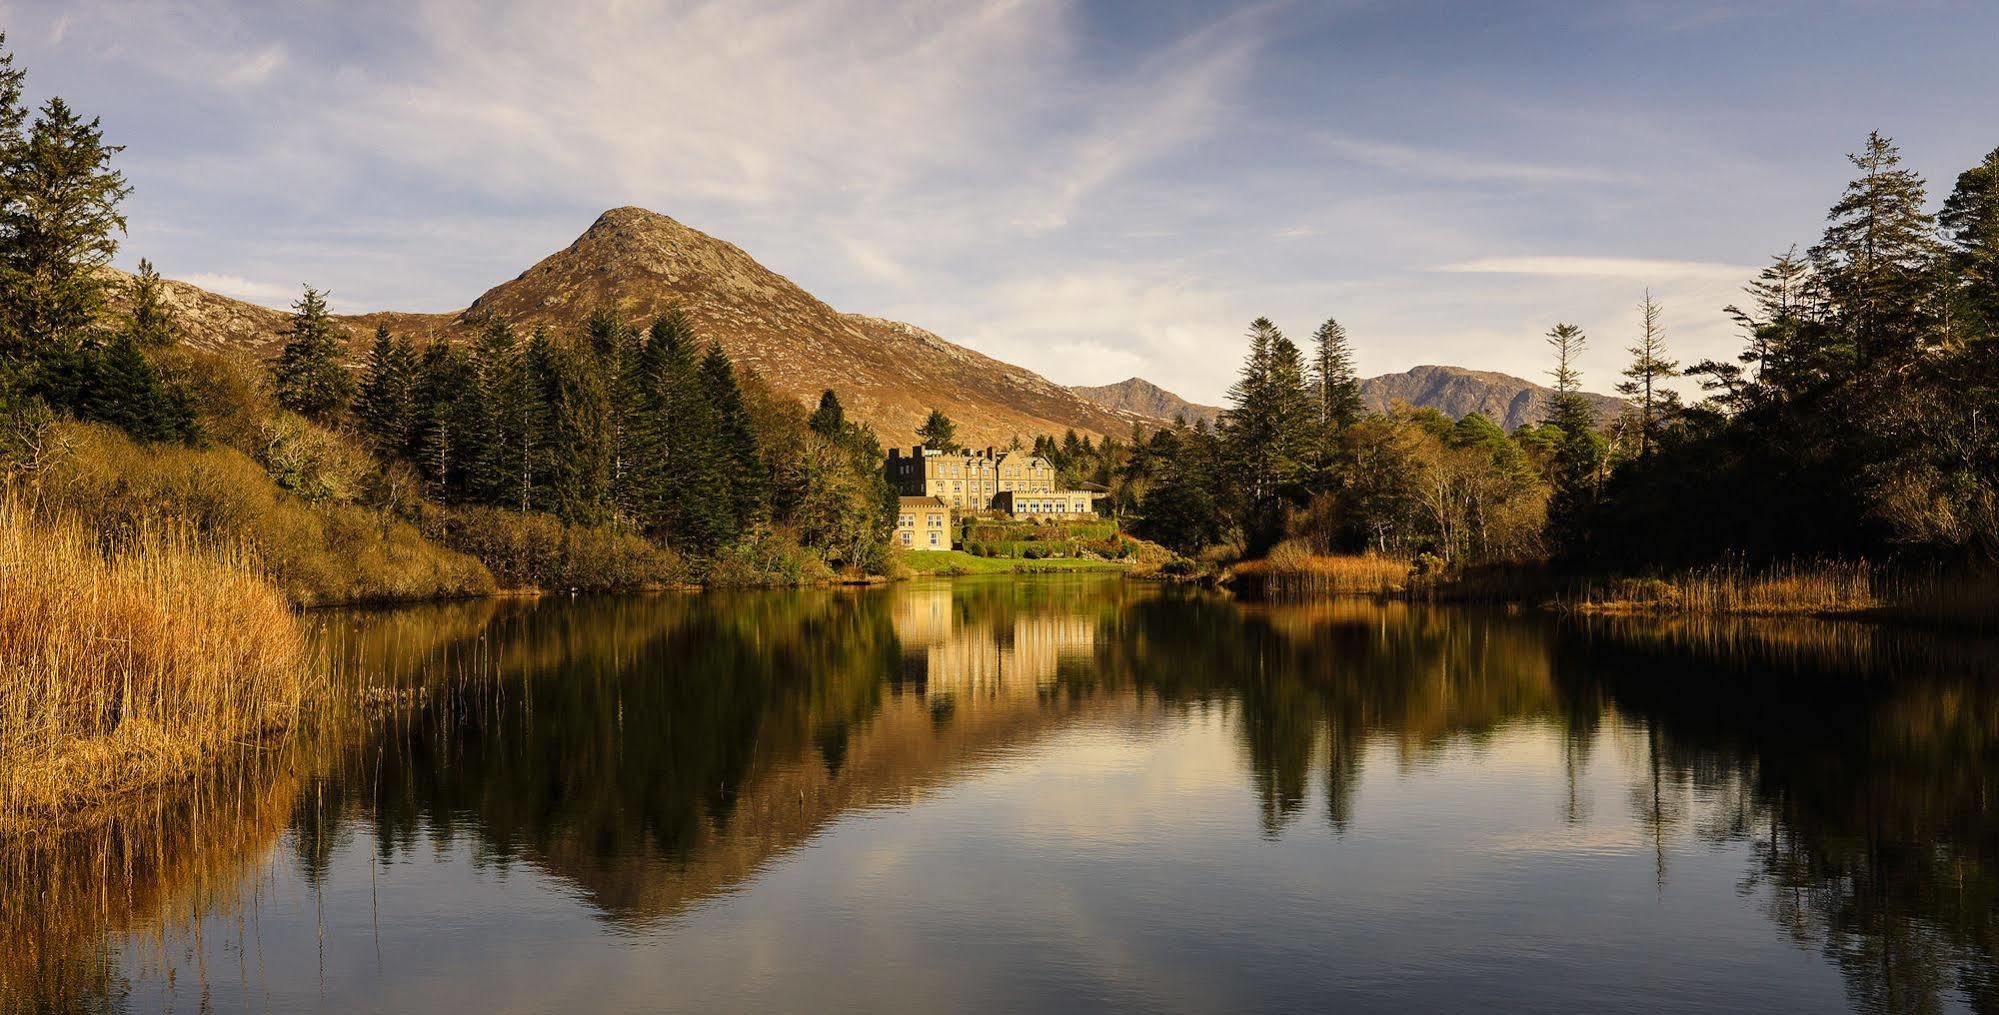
(655, 753)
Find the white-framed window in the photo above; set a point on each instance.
(933, 539)
(908, 538)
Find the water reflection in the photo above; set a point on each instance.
(653, 758)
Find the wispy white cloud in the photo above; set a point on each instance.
(1458, 166)
(1633, 268)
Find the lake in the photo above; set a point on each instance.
(1061, 793)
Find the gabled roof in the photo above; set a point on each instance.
(921, 502)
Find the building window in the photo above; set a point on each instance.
(907, 538)
(933, 539)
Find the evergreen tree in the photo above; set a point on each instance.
(126, 391)
(1875, 258)
(308, 376)
(497, 399)
(386, 403)
(747, 478)
(1579, 452)
(1269, 433)
(1333, 379)
(442, 418)
(1970, 218)
(148, 318)
(697, 500)
(579, 424)
(939, 433)
(830, 419)
(1785, 342)
(57, 218)
(1652, 404)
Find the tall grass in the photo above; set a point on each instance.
(1822, 588)
(1293, 571)
(132, 665)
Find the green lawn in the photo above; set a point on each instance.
(953, 562)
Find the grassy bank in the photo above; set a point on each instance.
(1814, 589)
(957, 562)
(133, 662)
(317, 550)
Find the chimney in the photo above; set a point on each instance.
(894, 453)
(989, 451)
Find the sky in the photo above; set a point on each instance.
(1091, 190)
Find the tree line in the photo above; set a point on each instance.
(1858, 420)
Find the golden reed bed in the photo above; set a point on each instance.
(134, 665)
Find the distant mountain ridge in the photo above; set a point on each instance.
(1511, 402)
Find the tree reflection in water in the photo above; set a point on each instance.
(654, 752)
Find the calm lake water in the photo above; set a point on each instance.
(1063, 793)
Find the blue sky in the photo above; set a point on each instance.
(1093, 190)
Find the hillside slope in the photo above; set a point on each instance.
(1141, 397)
(638, 264)
(1510, 401)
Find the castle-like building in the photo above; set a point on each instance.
(1013, 482)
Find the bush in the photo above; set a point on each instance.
(317, 554)
(538, 551)
(767, 557)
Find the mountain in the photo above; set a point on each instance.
(638, 264)
(1140, 397)
(1455, 391)
(1510, 401)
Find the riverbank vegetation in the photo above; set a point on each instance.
(132, 660)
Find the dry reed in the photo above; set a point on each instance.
(133, 665)
(1290, 571)
(1825, 588)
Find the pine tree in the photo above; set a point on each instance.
(1970, 218)
(1333, 379)
(1269, 433)
(1568, 341)
(1875, 258)
(148, 318)
(698, 503)
(1786, 344)
(1578, 462)
(938, 432)
(308, 376)
(748, 481)
(830, 419)
(125, 390)
(56, 224)
(386, 404)
(579, 423)
(441, 418)
(1651, 402)
(497, 394)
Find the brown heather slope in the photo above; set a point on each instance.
(1454, 391)
(1457, 392)
(638, 263)
(1141, 397)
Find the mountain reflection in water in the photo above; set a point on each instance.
(1060, 792)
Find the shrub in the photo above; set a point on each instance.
(316, 554)
(767, 556)
(537, 551)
